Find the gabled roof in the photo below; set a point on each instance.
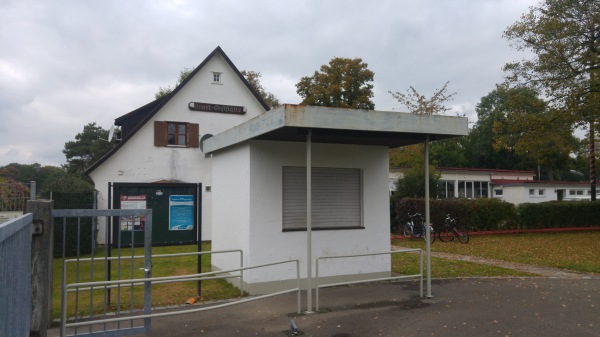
(144, 109)
(153, 107)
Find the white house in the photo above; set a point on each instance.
(513, 186)
(161, 141)
(474, 183)
(534, 191)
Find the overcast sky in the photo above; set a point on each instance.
(64, 64)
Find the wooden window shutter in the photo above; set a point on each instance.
(160, 133)
(193, 135)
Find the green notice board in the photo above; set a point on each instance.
(175, 213)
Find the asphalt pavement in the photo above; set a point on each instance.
(459, 307)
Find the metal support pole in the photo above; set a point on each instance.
(427, 218)
(309, 221)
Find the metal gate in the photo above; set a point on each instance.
(102, 289)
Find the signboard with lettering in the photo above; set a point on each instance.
(208, 107)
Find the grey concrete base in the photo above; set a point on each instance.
(262, 288)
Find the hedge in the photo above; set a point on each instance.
(557, 214)
(494, 214)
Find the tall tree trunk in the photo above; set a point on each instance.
(592, 162)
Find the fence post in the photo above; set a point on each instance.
(42, 247)
(32, 190)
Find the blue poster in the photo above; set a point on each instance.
(181, 212)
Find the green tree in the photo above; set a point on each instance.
(89, 146)
(183, 74)
(411, 161)
(28, 172)
(343, 83)
(418, 104)
(449, 152)
(564, 37)
(479, 145)
(253, 78)
(64, 182)
(539, 135)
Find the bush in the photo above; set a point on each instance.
(559, 214)
(495, 214)
(478, 214)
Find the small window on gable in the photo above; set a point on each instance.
(216, 77)
(179, 134)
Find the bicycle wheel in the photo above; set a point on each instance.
(445, 234)
(462, 234)
(406, 230)
(431, 234)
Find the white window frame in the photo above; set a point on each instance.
(337, 198)
(217, 77)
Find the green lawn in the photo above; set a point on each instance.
(162, 294)
(576, 251)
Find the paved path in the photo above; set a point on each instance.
(559, 304)
(459, 307)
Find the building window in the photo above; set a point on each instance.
(481, 189)
(532, 192)
(176, 133)
(216, 77)
(541, 192)
(446, 189)
(498, 192)
(336, 198)
(472, 189)
(576, 192)
(179, 134)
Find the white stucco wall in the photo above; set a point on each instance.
(139, 160)
(266, 242)
(231, 206)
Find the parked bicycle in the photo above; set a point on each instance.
(415, 227)
(450, 231)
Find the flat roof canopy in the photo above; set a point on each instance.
(340, 126)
